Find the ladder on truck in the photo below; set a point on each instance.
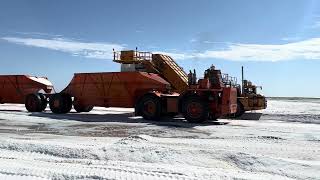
(160, 64)
(170, 71)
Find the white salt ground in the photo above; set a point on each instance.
(109, 143)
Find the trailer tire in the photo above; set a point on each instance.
(240, 109)
(88, 108)
(149, 107)
(195, 110)
(80, 108)
(44, 102)
(33, 103)
(60, 103)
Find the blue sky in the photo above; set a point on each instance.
(278, 42)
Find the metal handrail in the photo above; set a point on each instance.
(143, 55)
(229, 80)
(137, 56)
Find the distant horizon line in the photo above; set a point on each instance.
(292, 97)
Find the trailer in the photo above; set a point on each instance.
(24, 89)
(149, 93)
(106, 89)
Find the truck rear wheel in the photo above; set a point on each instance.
(60, 103)
(195, 110)
(149, 107)
(33, 103)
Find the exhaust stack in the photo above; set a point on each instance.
(242, 80)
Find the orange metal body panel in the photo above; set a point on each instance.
(14, 88)
(172, 104)
(229, 101)
(224, 100)
(113, 89)
(204, 84)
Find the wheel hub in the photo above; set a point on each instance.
(149, 107)
(31, 103)
(56, 103)
(194, 110)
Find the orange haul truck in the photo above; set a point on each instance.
(149, 93)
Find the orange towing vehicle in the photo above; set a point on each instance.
(150, 94)
(24, 89)
(248, 97)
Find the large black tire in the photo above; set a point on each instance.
(33, 103)
(80, 108)
(88, 108)
(240, 109)
(44, 102)
(149, 107)
(60, 103)
(195, 110)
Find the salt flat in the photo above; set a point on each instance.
(281, 142)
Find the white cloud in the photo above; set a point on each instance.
(306, 49)
(316, 25)
(41, 34)
(178, 56)
(294, 38)
(208, 42)
(193, 40)
(76, 48)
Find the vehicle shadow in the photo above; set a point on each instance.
(250, 116)
(300, 118)
(11, 110)
(124, 117)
